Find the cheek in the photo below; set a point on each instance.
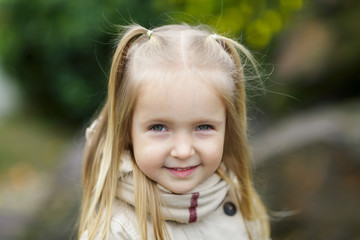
(143, 161)
(148, 156)
(213, 152)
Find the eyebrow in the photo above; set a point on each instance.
(212, 121)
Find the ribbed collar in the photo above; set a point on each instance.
(183, 208)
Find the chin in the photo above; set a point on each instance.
(181, 190)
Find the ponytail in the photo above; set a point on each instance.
(247, 198)
(101, 160)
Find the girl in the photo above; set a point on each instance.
(167, 158)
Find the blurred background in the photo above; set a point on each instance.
(304, 124)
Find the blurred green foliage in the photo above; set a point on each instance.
(59, 51)
(56, 51)
(259, 21)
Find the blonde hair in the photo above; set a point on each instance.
(141, 55)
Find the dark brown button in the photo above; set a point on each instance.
(229, 209)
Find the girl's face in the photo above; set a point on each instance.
(178, 131)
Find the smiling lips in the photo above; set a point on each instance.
(182, 172)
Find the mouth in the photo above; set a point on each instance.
(182, 172)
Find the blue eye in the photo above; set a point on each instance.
(204, 127)
(158, 128)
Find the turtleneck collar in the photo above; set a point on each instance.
(182, 208)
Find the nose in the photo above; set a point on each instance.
(182, 147)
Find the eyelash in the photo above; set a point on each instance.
(207, 126)
(155, 128)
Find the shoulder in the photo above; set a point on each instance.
(123, 223)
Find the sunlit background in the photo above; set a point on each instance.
(304, 122)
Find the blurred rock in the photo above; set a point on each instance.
(308, 167)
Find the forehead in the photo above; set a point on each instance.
(180, 100)
(176, 79)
